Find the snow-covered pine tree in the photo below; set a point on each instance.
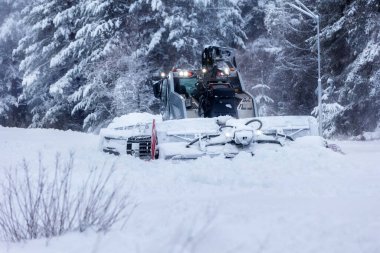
(182, 27)
(53, 27)
(350, 61)
(295, 74)
(95, 98)
(188, 26)
(221, 24)
(352, 40)
(263, 101)
(224, 24)
(146, 34)
(253, 14)
(131, 93)
(102, 24)
(68, 41)
(256, 64)
(11, 112)
(330, 109)
(119, 88)
(113, 39)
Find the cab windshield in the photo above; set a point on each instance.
(184, 85)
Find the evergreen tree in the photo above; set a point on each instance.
(115, 43)
(11, 111)
(294, 81)
(52, 29)
(102, 24)
(256, 63)
(84, 62)
(352, 51)
(188, 26)
(253, 14)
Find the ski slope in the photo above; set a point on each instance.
(301, 198)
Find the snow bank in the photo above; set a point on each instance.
(369, 136)
(302, 198)
(132, 118)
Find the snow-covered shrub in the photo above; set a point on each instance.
(329, 111)
(46, 203)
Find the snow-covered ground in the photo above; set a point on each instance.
(293, 199)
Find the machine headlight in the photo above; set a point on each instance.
(229, 134)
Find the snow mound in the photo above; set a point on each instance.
(298, 198)
(133, 119)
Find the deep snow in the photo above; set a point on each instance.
(300, 198)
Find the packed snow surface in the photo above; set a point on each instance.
(300, 198)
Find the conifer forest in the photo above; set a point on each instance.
(77, 64)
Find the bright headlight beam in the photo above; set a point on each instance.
(259, 132)
(228, 134)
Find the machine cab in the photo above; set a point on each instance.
(176, 94)
(181, 95)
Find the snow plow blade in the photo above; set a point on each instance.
(197, 137)
(293, 126)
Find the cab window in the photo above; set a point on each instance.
(185, 85)
(164, 91)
